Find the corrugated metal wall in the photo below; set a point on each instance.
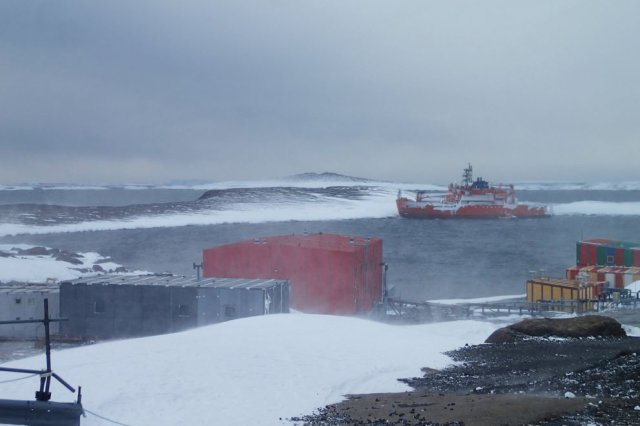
(553, 289)
(105, 311)
(329, 274)
(26, 305)
(603, 252)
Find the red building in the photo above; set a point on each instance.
(610, 263)
(603, 252)
(329, 274)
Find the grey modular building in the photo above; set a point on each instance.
(25, 301)
(117, 306)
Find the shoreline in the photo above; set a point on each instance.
(536, 381)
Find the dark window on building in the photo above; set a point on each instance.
(18, 300)
(99, 306)
(229, 311)
(610, 260)
(184, 311)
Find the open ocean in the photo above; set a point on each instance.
(165, 228)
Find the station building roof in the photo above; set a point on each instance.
(177, 281)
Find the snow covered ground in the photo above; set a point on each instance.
(259, 370)
(33, 264)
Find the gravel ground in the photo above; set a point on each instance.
(536, 381)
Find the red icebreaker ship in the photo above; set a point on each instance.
(472, 199)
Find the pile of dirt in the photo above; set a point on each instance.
(544, 381)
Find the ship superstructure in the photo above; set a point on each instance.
(470, 199)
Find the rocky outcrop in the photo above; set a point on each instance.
(510, 379)
(57, 254)
(34, 251)
(585, 326)
(69, 257)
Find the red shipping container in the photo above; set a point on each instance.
(636, 257)
(619, 279)
(619, 257)
(592, 254)
(329, 274)
(583, 255)
(599, 241)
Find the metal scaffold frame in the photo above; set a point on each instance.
(42, 411)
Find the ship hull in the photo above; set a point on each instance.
(423, 210)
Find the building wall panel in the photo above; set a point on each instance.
(18, 305)
(100, 312)
(184, 308)
(72, 306)
(592, 254)
(325, 277)
(152, 305)
(127, 320)
(209, 310)
(544, 290)
(156, 310)
(628, 257)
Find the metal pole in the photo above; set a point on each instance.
(197, 267)
(45, 382)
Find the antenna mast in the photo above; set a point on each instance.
(467, 176)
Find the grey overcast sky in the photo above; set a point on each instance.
(157, 91)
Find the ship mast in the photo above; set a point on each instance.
(467, 176)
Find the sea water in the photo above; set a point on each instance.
(165, 228)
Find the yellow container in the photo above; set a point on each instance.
(547, 291)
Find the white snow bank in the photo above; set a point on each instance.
(37, 269)
(600, 208)
(634, 287)
(258, 370)
(478, 300)
(631, 330)
(379, 205)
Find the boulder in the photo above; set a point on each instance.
(504, 335)
(584, 326)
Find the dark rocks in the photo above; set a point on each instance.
(584, 326)
(61, 255)
(65, 256)
(34, 251)
(524, 382)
